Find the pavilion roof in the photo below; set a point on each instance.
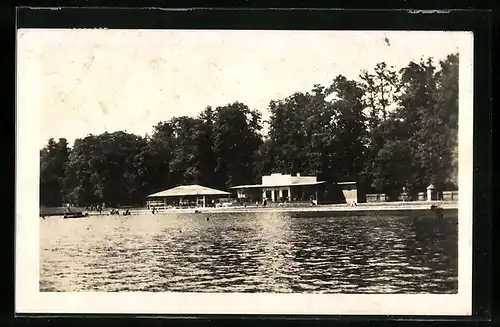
(188, 190)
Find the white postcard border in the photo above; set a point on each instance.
(28, 299)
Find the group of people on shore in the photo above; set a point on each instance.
(117, 212)
(94, 207)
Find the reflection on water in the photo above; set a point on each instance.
(259, 252)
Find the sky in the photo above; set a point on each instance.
(81, 81)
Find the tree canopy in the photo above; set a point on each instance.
(387, 130)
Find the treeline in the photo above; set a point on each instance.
(387, 130)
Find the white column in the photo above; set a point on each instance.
(204, 200)
(430, 191)
(280, 193)
(272, 195)
(263, 193)
(290, 193)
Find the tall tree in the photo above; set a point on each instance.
(381, 90)
(320, 132)
(101, 168)
(447, 102)
(118, 176)
(82, 182)
(425, 122)
(264, 159)
(418, 111)
(236, 142)
(288, 137)
(206, 161)
(53, 160)
(349, 129)
(184, 163)
(153, 162)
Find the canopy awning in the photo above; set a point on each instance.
(188, 190)
(276, 185)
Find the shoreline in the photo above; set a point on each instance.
(340, 208)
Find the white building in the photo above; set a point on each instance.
(281, 187)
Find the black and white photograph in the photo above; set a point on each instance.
(244, 171)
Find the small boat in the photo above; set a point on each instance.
(77, 214)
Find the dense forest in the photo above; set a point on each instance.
(387, 130)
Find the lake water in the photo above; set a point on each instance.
(256, 252)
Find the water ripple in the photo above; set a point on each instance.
(250, 253)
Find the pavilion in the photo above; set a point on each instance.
(186, 195)
(281, 187)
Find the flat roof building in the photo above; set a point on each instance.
(280, 187)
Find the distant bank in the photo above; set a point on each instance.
(377, 208)
(363, 207)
